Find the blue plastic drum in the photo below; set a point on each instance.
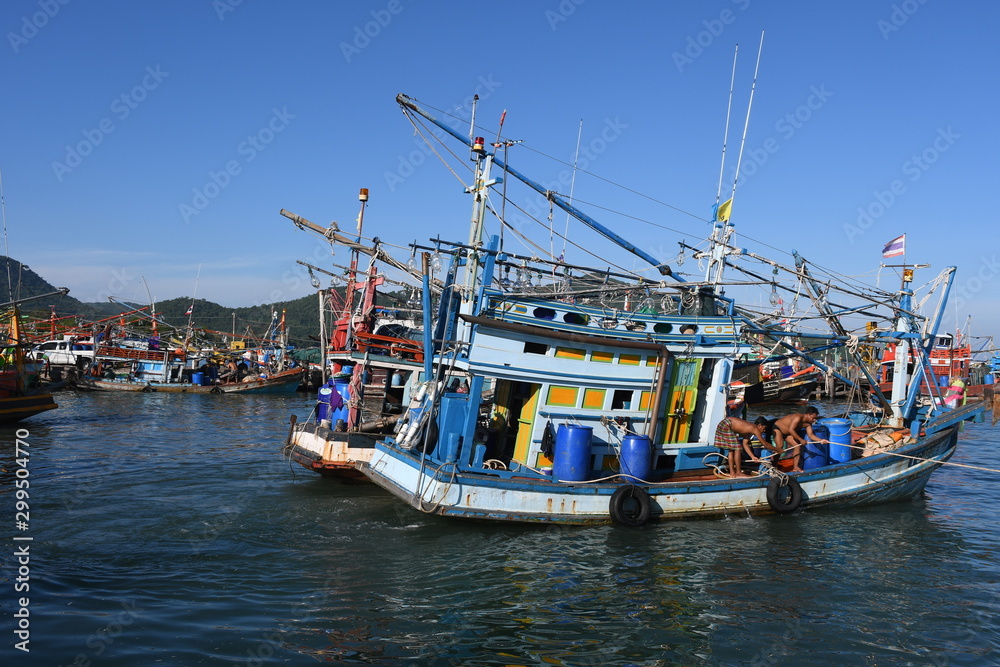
(571, 457)
(840, 438)
(323, 403)
(816, 454)
(342, 387)
(637, 457)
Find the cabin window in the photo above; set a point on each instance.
(562, 396)
(630, 359)
(570, 353)
(535, 348)
(593, 399)
(621, 400)
(602, 357)
(663, 328)
(576, 318)
(545, 313)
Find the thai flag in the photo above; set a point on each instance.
(190, 309)
(895, 247)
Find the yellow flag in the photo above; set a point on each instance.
(724, 208)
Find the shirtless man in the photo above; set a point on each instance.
(786, 434)
(734, 435)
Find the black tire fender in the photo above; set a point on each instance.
(622, 513)
(215, 390)
(784, 503)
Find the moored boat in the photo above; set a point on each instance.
(368, 359)
(536, 406)
(22, 394)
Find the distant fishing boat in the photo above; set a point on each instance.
(762, 382)
(585, 396)
(128, 361)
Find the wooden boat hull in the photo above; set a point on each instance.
(279, 383)
(333, 454)
(443, 490)
(15, 408)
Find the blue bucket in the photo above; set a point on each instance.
(816, 454)
(196, 378)
(571, 458)
(840, 438)
(637, 457)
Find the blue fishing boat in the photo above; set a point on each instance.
(594, 397)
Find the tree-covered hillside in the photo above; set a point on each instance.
(301, 315)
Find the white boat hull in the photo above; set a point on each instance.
(489, 495)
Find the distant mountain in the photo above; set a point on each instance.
(17, 282)
(301, 315)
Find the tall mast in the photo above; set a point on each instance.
(480, 187)
(352, 275)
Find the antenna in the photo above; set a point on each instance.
(572, 186)
(746, 124)
(725, 137)
(6, 248)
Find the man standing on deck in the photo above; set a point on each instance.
(733, 435)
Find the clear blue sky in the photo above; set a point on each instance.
(153, 144)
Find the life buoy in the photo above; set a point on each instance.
(784, 498)
(626, 513)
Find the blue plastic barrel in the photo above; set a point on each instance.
(342, 387)
(571, 458)
(637, 457)
(816, 454)
(196, 378)
(840, 438)
(988, 379)
(323, 403)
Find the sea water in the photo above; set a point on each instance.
(167, 529)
